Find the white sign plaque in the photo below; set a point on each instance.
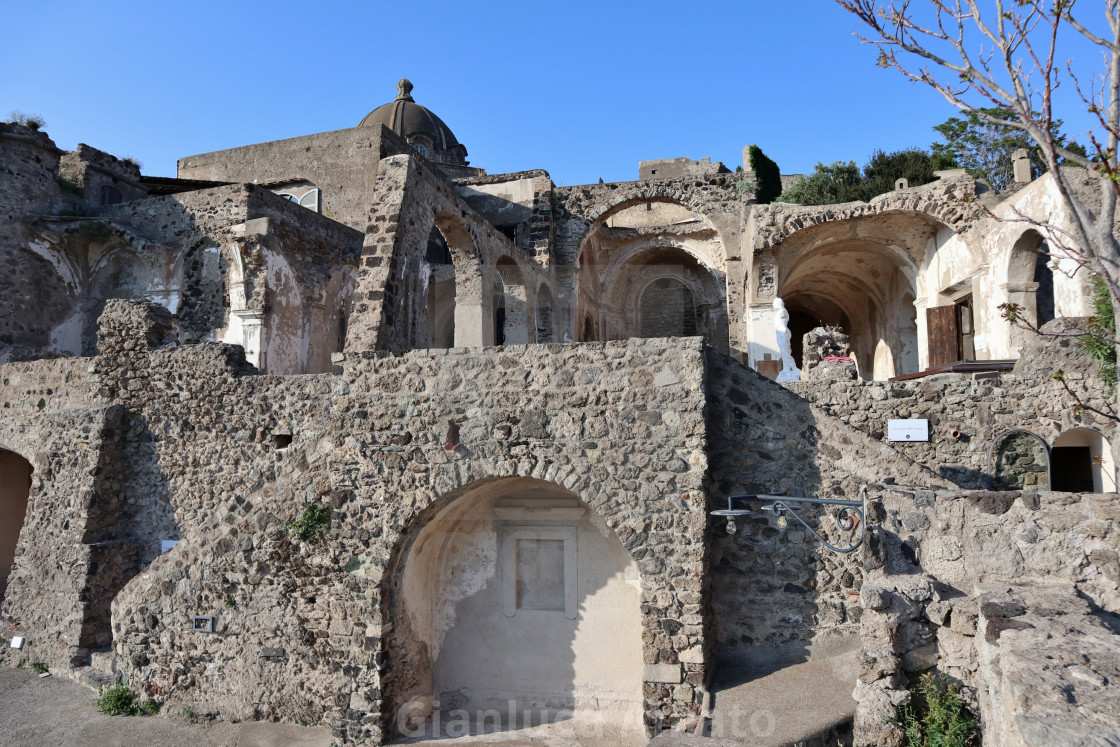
(908, 430)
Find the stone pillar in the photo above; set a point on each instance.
(474, 326)
(923, 345)
(1021, 163)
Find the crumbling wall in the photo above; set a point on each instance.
(102, 178)
(228, 243)
(1015, 595)
(33, 299)
(220, 459)
(778, 595)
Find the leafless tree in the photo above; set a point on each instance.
(1008, 55)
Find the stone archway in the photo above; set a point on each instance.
(628, 229)
(863, 287)
(1030, 284)
(15, 489)
(513, 603)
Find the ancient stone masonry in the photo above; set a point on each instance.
(391, 310)
(340, 429)
(1015, 595)
(965, 417)
(778, 595)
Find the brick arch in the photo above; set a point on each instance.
(605, 498)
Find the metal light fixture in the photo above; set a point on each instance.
(850, 517)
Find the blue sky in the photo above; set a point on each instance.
(584, 90)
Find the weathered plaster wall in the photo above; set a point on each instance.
(571, 619)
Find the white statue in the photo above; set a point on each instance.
(790, 371)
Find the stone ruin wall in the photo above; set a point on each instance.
(719, 198)
(778, 595)
(192, 443)
(264, 230)
(390, 303)
(1014, 595)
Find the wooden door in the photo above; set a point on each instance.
(942, 335)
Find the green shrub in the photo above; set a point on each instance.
(311, 522)
(118, 700)
(936, 716)
(768, 174)
(1103, 325)
(39, 668)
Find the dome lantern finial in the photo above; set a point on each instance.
(404, 90)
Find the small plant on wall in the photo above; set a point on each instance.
(313, 521)
(936, 715)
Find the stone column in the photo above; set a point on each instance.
(923, 345)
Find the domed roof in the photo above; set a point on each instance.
(405, 117)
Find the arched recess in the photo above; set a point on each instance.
(665, 290)
(514, 589)
(15, 488)
(1081, 462)
(513, 328)
(545, 305)
(441, 291)
(1019, 460)
(117, 271)
(667, 309)
(640, 224)
(1030, 284)
(862, 287)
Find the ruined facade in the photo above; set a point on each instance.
(332, 429)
